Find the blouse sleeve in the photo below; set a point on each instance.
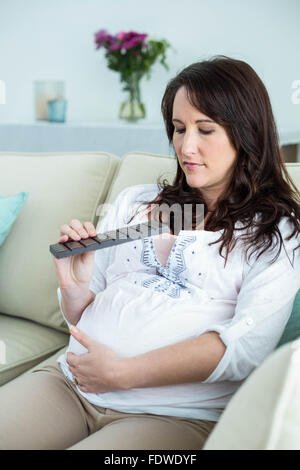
(264, 304)
(115, 217)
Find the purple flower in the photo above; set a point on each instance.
(121, 35)
(133, 41)
(123, 40)
(129, 35)
(101, 37)
(115, 47)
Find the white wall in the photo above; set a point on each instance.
(53, 39)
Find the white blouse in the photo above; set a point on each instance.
(142, 304)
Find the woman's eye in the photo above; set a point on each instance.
(180, 131)
(206, 132)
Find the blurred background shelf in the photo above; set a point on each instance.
(115, 137)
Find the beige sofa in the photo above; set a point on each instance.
(61, 186)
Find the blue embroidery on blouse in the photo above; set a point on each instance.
(168, 278)
(163, 285)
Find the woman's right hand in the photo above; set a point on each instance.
(77, 270)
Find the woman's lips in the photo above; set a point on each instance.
(193, 166)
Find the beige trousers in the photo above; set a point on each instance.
(43, 410)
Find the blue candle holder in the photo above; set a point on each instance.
(56, 110)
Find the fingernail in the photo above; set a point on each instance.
(74, 329)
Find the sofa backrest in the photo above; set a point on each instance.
(138, 168)
(294, 173)
(61, 186)
(141, 167)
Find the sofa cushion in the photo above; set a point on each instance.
(24, 344)
(61, 186)
(141, 168)
(292, 329)
(10, 207)
(294, 173)
(264, 414)
(49, 361)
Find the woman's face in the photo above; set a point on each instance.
(200, 141)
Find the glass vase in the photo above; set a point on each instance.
(132, 109)
(44, 92)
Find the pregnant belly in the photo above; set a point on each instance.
(133, 320)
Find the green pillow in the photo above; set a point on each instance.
(10, 207)
(292, 329)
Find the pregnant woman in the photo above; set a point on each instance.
(165, 329)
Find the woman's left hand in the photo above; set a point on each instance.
(98, 370)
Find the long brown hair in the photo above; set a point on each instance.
(230, 92)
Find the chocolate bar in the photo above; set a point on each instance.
(107, 239)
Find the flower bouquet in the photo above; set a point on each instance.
(133, 56)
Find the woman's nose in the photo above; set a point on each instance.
(190, 144)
